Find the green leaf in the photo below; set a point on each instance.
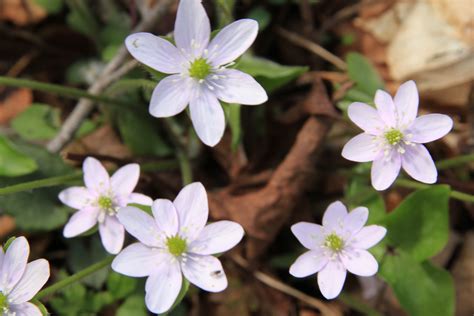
(70, 300)
(363, 73)
(51, 6)
(420, 224)
(232, 112)
(361, 193)
(38, 122)
(133, 305)
(262, 16)
(421, 288)
(269, 74)
(120, 286)
(14, 162)
(8, 243)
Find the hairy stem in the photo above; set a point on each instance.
(454, 162)
(417, 185)
(42, 183)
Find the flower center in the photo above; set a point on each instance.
(393, 136)
(199, 69)
(334, 242)
(176, 245)
(3, 303)
(105, 203)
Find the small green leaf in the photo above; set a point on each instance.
(8, 243)
(232, 112)
(38, 122)
(361, 193)
(133, 305)
(120, 286)
(51, 6)
(13, 162)
(363, 73)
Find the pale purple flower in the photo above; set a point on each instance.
(198, 69)
(393, 136)
(20, 280)
(338, 246)
(100, 200)
(176, 241)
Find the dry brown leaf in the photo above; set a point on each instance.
(463, 274)
(14, 103)
(7, 225)
(21, 12)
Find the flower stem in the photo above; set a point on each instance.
(454, 162)
(356, 304)
(176, 138)
(416, 185)
(74, 278)
(42, 183)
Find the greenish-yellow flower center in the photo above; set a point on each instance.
(334, 242)
(105, 203)
(176, 245)
(3, 303)
(393, 136)
(199, 69)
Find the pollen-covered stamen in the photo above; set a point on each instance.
(177, 246)
(3, 303)
(199, 69)
(334, 242)
(393, 136)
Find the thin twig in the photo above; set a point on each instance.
(312, 47)
(112, 71)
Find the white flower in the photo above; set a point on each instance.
(100, 200)
(393, 136)
(197, 68)
(340, 244)
(173, 242)
(19, 280)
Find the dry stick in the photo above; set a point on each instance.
(109, 74)
(312, 47)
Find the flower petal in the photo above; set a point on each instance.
(192, 28)
(360, 262)
(171, 96)
(368, 236)
(125, 179)
(162, 287)
(208, 118)
(406, 101)
(386, 108)
(232, 41)
(141, 226)
(417, 162)
(112, 234)
(205, 272)
(25, 309)
(166, 216)
(193, 210)
(36, 275)
(366, 117)
(139, 260)
(139, 198)
(308, 263)
(81, 221)
(385, 170)
(331, 279)
(75, 197)
(14, 264)
(95, 175)
(356, 219)
(361, 148)
(234, 86)
(430, 127)
(308, 234)
(217, 237)
(155, 52)
(334, 216)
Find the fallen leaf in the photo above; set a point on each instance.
(21, 12)
(14, 103)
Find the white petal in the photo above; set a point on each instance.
(217, 237)
(139, 198)
(385, 170)
(386, 108)
(171, 96)
(205, 272)
(430, 127)
(95, 175)
(112, 234)
(368, 236)
(356, 219)
(234, 86)
(166, 216)
(162, 287)
(406, 101)
(366, 117)
(309, 235)
(208, 118)
(36, 275)
(14, 264)
(417, 162)
(75, 197)
(361, 148)
(2, 256)
(155, 52)
(139, 260)
(141, 226)
(125, 179)
(81, 221)
(331, 279)
(360, 262)
(192, 28)
(308, 263)
(334, 216)
(193, 210)
(232, 41)
(25, 309)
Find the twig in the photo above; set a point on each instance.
(108, 75)
(312, 47)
